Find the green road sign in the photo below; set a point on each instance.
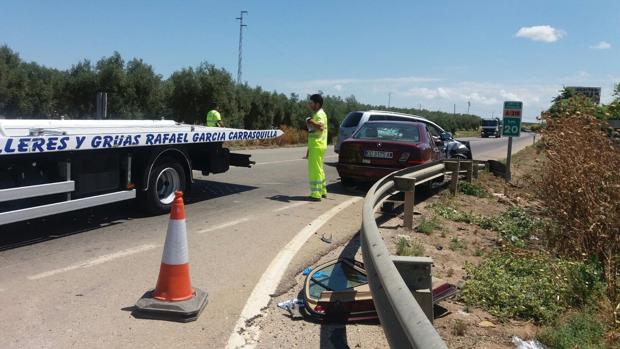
(511, 124)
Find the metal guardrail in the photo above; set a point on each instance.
(404, 322)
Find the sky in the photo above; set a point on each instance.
(433, 54)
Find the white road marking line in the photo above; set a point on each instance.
(290, 160)
(260, 296)
(225, 225)
(95, 261)
(290, 206)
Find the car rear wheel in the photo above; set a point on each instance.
(166, 178)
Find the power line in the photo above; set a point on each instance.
(241, 25)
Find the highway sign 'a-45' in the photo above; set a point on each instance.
(511, 124)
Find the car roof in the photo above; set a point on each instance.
(419, 118)
(397, 122)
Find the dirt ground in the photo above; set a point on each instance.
(481, 330)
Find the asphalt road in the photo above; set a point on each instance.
(70, 280)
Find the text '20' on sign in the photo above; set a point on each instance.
(511, 125)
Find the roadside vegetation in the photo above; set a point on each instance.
(136, 91)
(409, 247)
(555, 258)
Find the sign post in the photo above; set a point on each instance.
(511, 127)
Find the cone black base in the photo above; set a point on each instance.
(148, 307)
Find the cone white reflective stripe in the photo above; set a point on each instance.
(175, 249)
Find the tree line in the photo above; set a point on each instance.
(135, 90)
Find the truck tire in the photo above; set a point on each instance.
(167, 177)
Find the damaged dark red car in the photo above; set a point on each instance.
(379, 148)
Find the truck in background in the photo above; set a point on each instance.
(54, 166)
(490, 128)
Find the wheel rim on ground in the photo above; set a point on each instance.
(168, 181)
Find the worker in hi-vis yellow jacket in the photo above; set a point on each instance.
(214, 119)
(317, 144)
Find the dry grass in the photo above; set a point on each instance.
(580, 186)
(291, 136)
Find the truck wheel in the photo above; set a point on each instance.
(167, 177)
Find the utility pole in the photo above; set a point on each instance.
(241, 25)
(389, 99)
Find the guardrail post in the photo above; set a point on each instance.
(480, 165)
(454, 167)
(469, 167)
(476, 168)
(416, 272)
(406, 185)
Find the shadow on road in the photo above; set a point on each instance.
(332, 188)
(65, 224)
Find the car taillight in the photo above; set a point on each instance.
(404, 157)
(319, 309)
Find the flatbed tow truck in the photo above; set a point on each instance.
(54, 166)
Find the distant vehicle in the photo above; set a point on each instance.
(381, 147)
(354, 120)
(490, 128)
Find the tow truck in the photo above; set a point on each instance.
(53, 166)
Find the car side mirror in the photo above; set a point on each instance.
(446, 136)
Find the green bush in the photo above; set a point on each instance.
(448, 212)
(473, 189)
(457, 244)
(514, 225)
(579, 330)
(529, 287)
(406, 247)
(427, 226)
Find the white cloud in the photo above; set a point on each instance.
(345, 81)
(486, 97)
(602, 45)
(544, 33)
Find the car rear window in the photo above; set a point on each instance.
(337, 277)
(389, 132)
(352, 120)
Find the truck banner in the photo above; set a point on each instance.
(55, 143)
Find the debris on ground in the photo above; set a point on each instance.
(327, 239)
(292, 306)
(523, 344)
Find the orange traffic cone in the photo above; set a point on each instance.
(173, 297)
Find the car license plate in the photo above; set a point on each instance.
(378, 154)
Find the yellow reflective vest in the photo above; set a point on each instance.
(213, 117)
(318, 138)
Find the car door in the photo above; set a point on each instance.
(435, 143)
(436, 136)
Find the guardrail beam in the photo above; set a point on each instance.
(405, 323)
